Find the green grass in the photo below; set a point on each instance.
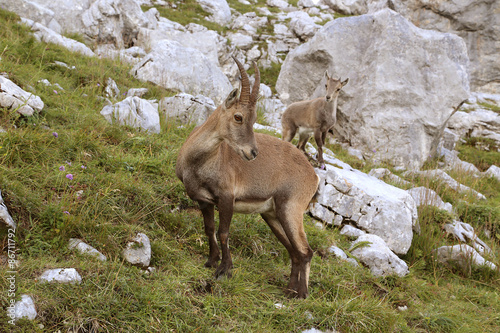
(128, 185)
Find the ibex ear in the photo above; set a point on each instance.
(345, 82)
(326, 75)
(231, 98)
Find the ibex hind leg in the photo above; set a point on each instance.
(278, 231)
(290, 218)
(288, 131)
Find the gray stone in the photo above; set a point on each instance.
(61, 275)
(25, 308)
(221, 13)
(464, 232)
(337, 252)
(13, 97)
(386, 115)
(378, 257)
(183, 69)
(350, 231)
(111, 89)
(47, 35)
(464, 255)
(493, 171)
(4, 214)
(135, 112)
(449, 181)
(138, 252)
(477, 123)
(84, 248)
(427, 197)
(187, 108)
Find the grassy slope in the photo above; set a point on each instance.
(129, 186)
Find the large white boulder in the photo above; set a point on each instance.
(404, 82)
(349, 196)
(183, 69)
(135, 112)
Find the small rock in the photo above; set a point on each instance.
(25, 308)
(61, 275)
(138, 252)
(85, 248)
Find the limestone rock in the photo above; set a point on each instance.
(464, 255)
(187, 108)
(367, 203)
(25, 308)
(84, 248)
(61, 275)
(378, 257)
(427, 197)
(13, 97)
(221, 13)
(4, 214)
(138, 252)
(183, 69)
(135, 112)
(47, 35)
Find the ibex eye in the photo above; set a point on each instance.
(238, 118)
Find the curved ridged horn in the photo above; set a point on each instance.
(245, 84)
(256, 85)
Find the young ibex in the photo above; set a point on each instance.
(224, 163)
(316, 116)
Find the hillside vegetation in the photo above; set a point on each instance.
(123, 182)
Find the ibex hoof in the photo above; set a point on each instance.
(224, 270)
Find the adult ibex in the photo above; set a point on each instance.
(224, 163)
(316, 116)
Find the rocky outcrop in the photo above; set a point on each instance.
(184, 69)
(348, 196)
(477, 22)
(402, 89)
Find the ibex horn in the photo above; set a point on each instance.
(256, 85)
(245, 83)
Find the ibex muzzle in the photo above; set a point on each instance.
(224, 163)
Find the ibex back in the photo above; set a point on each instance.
(224, 163)
(316, 116)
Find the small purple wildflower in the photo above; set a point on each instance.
(68, 163)
(62, 168)
(84, 167)
(55, 134)
(98, 84)
(66, 212)
(55, 92)
(69, 176)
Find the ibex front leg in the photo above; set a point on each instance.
(208, 218)
(225, 215)
(318, 137)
